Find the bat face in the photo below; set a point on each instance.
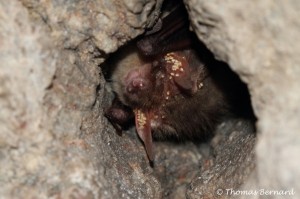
(140, 84)
(147, 85)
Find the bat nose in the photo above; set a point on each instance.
(137, 84)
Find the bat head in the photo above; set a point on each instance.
(142, 85)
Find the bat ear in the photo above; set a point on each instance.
(185, 83)
(142, 123)
(178, 66)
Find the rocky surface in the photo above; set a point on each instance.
(55, 142)
(259, 41)
(54, 139)
(231, 163)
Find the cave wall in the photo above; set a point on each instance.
(258, 39)
(54, 138)
(55, 142)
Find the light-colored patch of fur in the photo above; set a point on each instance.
(126, 60)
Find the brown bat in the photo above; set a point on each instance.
(173, 92)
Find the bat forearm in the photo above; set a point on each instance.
(172, 34)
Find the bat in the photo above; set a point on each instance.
(170, 87)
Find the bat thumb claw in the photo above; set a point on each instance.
(149, 150)
(143, 120)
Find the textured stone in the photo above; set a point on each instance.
(258, 39)
(52, 97)
(230, 164)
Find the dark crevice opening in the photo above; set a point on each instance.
(227, 79)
